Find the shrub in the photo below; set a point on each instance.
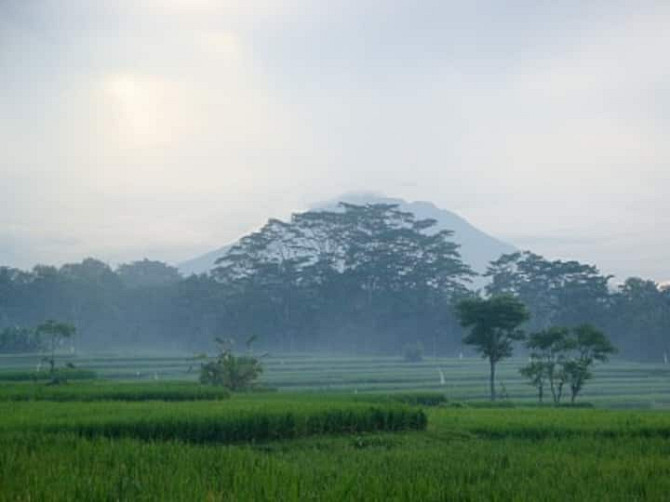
(230, 371)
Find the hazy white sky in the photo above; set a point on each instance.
(166, 128)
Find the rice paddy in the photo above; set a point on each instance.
(336, 428)
(616, 384)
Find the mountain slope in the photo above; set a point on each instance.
(477, 248)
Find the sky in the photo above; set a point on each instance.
(167, 128)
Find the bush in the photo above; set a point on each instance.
(233, 372)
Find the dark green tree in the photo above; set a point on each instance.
(535, 372)
(234, 372)
(556, 292)
(494, 325)
(547, 350)
(362, 269)
(639, 319)
(562, 356)
(589, 345)
(147, 273)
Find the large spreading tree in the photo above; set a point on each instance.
(368, 276)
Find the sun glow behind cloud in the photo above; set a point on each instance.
(138, 108)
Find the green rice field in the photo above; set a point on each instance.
(616, 384)
(332, 429)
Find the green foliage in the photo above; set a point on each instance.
(560, 356)
(590, 345)
(536, 373)
(361, 279)
(364, 268)
(619, 383)
(214, 422)
(409, 398)
(233, 372)
(556, 292)
(109, 391)
(639, 321)
(548, 350)
(147, 274)
(494, 326)
(465, 454)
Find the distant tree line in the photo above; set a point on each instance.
(364, 278)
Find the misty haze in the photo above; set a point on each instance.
(351, 250)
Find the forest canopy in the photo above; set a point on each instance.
(363, 278)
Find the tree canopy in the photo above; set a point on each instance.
(362, 278)
(494, 325)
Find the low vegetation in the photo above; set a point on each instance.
(229, 370)
(43, 376)
(112, 391)
(183, 440)
(257, 420)
(371, 269)
(464, 453)
(409, 398)
(561, 357)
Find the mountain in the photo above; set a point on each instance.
(203, 263)
(477, 248)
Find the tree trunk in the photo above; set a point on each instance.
(552, 388)
(492, 379)
(52, 362)
(559, 394)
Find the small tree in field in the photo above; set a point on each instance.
(560, 356)
(230, 371)
(55, 332)
(547, 351)
(589, 345)
(536, 374)
(494, 327)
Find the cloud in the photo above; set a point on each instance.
(175, 126)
